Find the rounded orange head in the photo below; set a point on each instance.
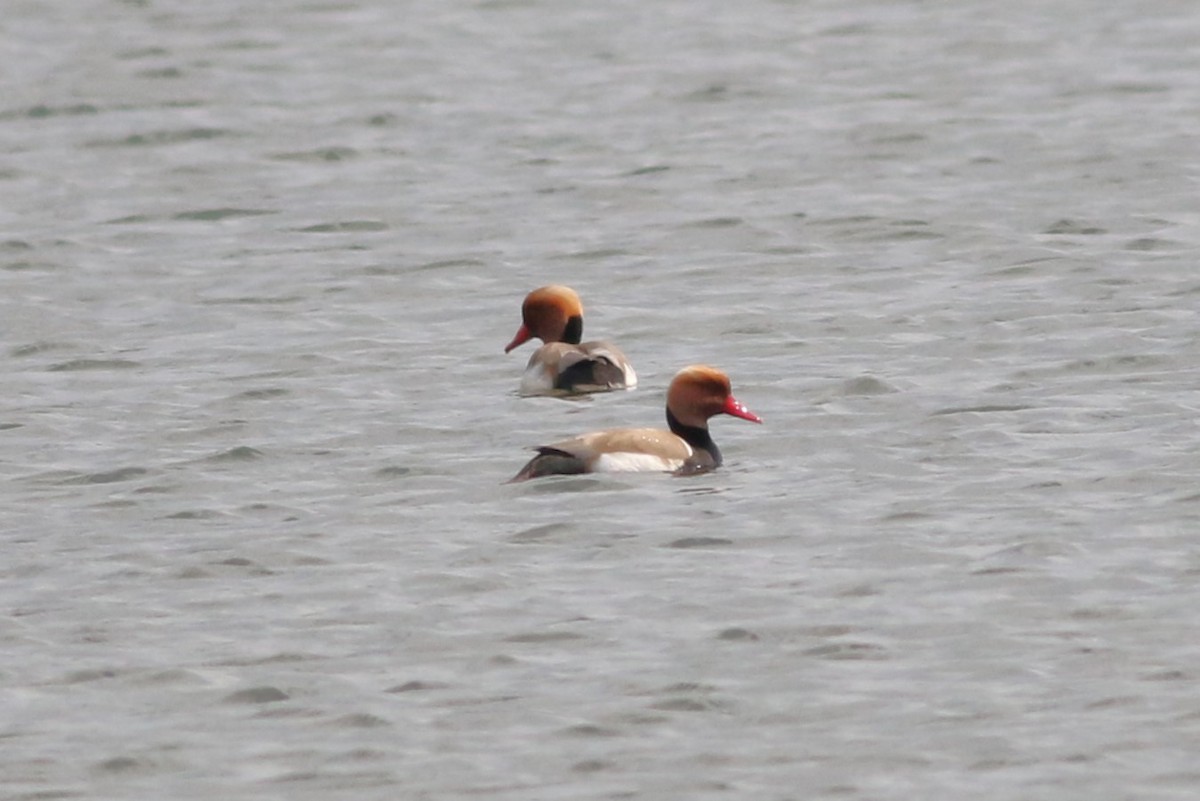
(552, 314)
(698, 392)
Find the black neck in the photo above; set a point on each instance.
(697, 437)
(573, 333)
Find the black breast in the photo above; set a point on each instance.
(706, 455)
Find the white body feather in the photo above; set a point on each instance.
(627, 462)
(536, 380)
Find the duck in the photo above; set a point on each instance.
(564, 365)
(697, 392)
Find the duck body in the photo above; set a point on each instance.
(586, 367)
(564, 364)
(620, 450)
(696, 393)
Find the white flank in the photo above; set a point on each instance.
(628, 462)
(536, 380)
(630, 376)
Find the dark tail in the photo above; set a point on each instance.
(589, 375)
(550, 462)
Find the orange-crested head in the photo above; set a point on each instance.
(552, 314)
(698, 392)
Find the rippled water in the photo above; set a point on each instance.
(258, 267)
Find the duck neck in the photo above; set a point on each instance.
(573, 333)
(696, 436)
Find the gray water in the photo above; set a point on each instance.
(258, 265)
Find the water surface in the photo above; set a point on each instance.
(259, 265)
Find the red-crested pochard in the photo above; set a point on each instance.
(554, 314)
(696, 393)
